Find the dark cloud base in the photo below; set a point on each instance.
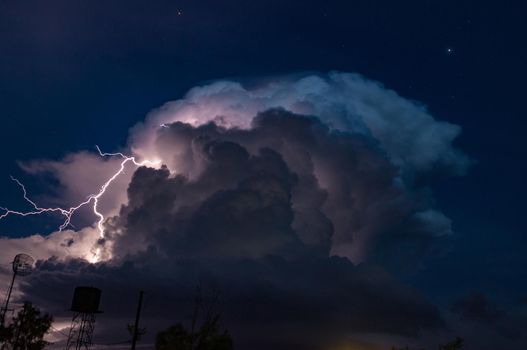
(258, 214)
(274, 294)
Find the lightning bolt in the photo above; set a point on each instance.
(92, 199)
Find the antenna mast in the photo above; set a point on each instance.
(22, 266)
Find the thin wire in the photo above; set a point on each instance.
(60, 332)
(116, 343)
(67, 336)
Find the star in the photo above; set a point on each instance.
(449, 51)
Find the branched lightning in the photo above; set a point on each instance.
(91, 199)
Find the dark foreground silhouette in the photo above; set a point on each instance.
(453, 345)
(29, 326)
(27, 330)
(207, 336)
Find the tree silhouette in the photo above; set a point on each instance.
(208, 337)
(177, 337)
(5, 335)
(453, 345)
(130, 327)
(28, 329)
(174, 338)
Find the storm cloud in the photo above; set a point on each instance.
(298, 197)
(346, 195)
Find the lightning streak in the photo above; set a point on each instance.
(91, 199)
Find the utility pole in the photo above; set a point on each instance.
(6, 305)
(137, 315)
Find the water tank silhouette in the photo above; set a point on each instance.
(86, 300)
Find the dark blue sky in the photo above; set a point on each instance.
(78, 73)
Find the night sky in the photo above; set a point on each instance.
(75, 74)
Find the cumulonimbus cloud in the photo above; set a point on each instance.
(401, 134)
(371, 186)
(320, 172)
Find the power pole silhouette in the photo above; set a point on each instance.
(137, 316)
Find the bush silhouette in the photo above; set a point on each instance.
(455, 344)
(207, 337)
(28, 329)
